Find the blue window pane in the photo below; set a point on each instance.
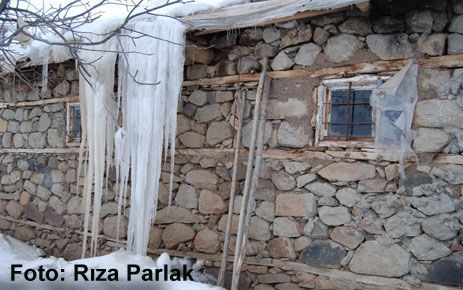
(350, 113)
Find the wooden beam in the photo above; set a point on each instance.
(448, 159)
(41, 151)
(447, 61)
(40, 102)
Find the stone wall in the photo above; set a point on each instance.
(349, 213)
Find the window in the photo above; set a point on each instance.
(73, 124)
(345, 116)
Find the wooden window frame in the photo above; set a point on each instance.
(71, 141)
(323, 98)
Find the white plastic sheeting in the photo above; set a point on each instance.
(395, 102)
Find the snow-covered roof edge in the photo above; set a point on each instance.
(260, 13)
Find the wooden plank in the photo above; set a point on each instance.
(447, 61)
(358, 155)
(40, 102)
(41, 151)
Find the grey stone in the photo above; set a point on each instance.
(57, 204)
(334, 216)
(206, 241)
(436, 80)
(455, 43)
(419, 21)
(321, 189)
(23, 233)
(55, 138)
(43, 192)
(390, 46)
(37, 140)
(7, 139)
(346, 172)
(293, 135)
(440, 21)
(223, 96)
(323, 254)
(348, 236)
(320, 36)
(442, 227)
(198, 98)
(373, 258)
(356, 25)
(58, 189)
(25, 127)
(32, 213)
(294, 167)
(210, 203)
(18, 140)
(108, 208)
(451, 173)
(307, 53)
(266, 210)
(259, 229)
(186, 196)
(176, 214)
(342, 47)
(296, 205)
(44, 122)
(385, 206)
(433, 45)
(265, 50)
(218, 132)
(271, 278)
(189, 110)
(302, 180)
(74, 205)
(247, 133)
(208, 113)
(332, 18)
(30, 187)
(438, 113)
(202, 179)
(373, 185)
(62, 89)
(52, 218)
(283, 181)
(247, 65)
(301, 34)
(315, 229)
(286, 227)
(251, 36)
(14, 209)
(348, 196)
(426, 248)
(447, 271)
(457, 6)
(456, 26)
(192, 139)
(282, 62)
(430, 140)
(238, 52)
(432, 205)
(196, 71)
(13, 127)
(57, 176)
(271, 34)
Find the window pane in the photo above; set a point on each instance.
(360, 130)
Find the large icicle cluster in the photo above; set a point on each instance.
(150, 74)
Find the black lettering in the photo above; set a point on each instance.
(132, 270)
(30, 277)
(187, 273)
(113, 275)
(51, 275)
(175, 275)
(100, 276)
(80, 270)
(14, 271)
(157, 273)
(166, 272)
(147, 275)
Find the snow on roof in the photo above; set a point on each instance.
(198, 15)
(259, 13)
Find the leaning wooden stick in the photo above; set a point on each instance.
(226, 242)
(247, 183)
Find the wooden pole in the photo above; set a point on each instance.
(226, 242)
(247, 183)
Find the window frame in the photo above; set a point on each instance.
(323, 99)
(71, 141)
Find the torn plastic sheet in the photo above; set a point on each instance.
(395, 102)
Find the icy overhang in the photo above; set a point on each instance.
(224, 18)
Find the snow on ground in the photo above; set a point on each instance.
(13, 251)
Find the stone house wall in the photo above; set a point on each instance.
(321, 207)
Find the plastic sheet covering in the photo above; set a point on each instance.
(395, 102)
